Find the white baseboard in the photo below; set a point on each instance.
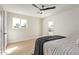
(30, 38)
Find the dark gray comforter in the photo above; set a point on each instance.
(40, 41)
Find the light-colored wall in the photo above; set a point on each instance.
(33, 30)
(65, 23)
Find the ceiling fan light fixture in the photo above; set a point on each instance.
(43, 8)
(41, 12)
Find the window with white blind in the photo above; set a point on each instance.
(19, 23)
(50, 26)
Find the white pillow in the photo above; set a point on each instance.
(77, 42)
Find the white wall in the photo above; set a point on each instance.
(33, 30)
(66, 23)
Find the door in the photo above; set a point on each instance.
(5, 31)
(1, 31)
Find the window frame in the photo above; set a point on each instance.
(20, 20)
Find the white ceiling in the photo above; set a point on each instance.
(28, 9)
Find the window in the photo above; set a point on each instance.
(50, 26)
(16, 23)
(19, 23)
(23, 23)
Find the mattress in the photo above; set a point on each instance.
(65, 46)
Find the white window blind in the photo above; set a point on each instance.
(19, 23)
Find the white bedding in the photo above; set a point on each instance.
(66, 46)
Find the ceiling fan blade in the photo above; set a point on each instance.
(48, 8)
(35, 6)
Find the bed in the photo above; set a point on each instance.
(40, 43)
(65, 46)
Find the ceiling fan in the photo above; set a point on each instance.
(43, 8)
